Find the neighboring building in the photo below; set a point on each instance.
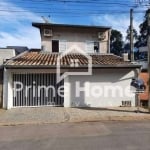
(4, 55)
(18, 49)
(143, 61)
(143, 58)
(144, 96)
(39, 68)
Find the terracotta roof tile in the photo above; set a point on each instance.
(50, 59)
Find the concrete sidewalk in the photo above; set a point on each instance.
(43, 115)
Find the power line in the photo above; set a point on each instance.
(74, 2)
(73, 9)
(56, 10)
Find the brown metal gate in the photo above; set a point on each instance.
(33, 96)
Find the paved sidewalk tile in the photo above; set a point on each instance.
(97, 114)
(60, 114)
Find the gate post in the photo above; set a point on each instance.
(7, 90)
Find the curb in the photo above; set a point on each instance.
(71, 120)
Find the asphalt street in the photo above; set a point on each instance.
(77, 136)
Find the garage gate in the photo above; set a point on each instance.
(37, 90)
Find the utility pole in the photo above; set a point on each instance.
(148, 44)
(131, 36)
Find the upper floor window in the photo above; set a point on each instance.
(62, 45)
(59, 45)
(55, 46)
(92, 46)
(96, 47)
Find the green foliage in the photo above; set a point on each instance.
(135, 40)
(142, 41)
(135, 34)
(116, 42)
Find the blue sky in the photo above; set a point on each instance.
(17, 16)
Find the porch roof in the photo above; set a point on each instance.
(41, 59)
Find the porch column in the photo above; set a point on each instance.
(8, 90)
(67, 93)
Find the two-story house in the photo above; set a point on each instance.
(60, 37)
(79, 56)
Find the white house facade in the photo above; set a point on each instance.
(107, 86)
(30, 79)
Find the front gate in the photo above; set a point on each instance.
(37, 90)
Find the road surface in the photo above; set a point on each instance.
(77, 136)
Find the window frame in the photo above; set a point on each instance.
(93, 50)
(65, 41)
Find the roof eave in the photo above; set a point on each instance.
(39, 25)
(68, 67)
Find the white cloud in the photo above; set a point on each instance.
(28, 37)
(16, 29)
(119, 22)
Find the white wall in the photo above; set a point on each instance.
(6, 54)
(101, 78)
(7, 90)
(77, 37)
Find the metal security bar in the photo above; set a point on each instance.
(37, 90)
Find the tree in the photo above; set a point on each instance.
(116, 42)
(142, 38)
(127, 45)
(142, 41)
(135, 35)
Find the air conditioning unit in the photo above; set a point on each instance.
(101, 35)
(48, 32)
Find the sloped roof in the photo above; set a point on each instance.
(40, 59)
